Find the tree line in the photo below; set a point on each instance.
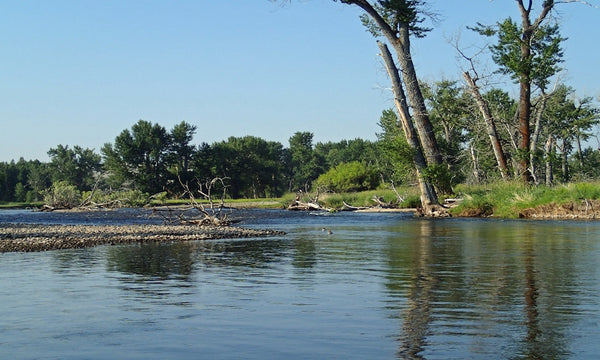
(151, 159)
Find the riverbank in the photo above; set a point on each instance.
(34, 237)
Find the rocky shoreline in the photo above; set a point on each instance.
(35, 237)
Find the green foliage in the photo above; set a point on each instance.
(122, 198)
(439, 176)
(304, 165)
(62, 195)
(397, 14)
(348, 177)
(254, 167)
(20, 192)
(139, 156)
(545, 51)
(396, 157)
(76, 166)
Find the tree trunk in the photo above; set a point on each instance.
(417, 102)
(579, 152)
(489, 123)
(548, 156)
(564, 162)
(524, 115)
(476, 172)
(429, 199)
(528, 29)
(536, 133)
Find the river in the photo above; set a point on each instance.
(380, 286)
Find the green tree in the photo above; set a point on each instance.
(570, 120)
(304, 165)
(396, 156)
(77, 166)
(253, 167)
(139, 157)
(181, 153)
(530, 53)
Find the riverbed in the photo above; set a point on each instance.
(376, 286)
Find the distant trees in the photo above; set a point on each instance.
(139, 156)
(253, 167)
(77, 166)
(23, 181)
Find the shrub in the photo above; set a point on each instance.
(62, 195)
(349, 177)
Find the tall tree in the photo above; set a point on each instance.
(397, 20)
(181, 153)
(530, 53)
(139, 156)
(304, 164)
(490, 123)
(77, 166)
(429, 199)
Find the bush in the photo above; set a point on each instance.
(62, 195)
(349, 177)
(121, 198)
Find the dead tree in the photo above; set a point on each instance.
(209, 215)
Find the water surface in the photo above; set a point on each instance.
(381, 286)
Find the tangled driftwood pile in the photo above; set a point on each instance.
(28, 237)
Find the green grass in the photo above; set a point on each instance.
(508, 199)
(21, 205)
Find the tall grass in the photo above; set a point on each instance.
(508, 199)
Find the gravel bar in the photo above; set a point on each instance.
(34, 237)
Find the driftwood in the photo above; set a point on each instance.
(211, 216)
(202, 215)
(311, 205)
(348, 207)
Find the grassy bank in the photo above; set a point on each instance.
(21, 205)
(510, 200)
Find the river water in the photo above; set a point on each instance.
(381, 286)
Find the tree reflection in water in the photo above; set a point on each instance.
(498, 289)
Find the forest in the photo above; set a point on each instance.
(438, 135)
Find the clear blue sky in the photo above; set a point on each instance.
(78, 72)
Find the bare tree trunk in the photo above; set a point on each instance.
(548, 156)
(423, 123)
(399, 38)
(476, 172)
(536, 133)
(524, 115)
(564, 163)
(579, 152)
(525, 80)
(429, 199)
(490, 124)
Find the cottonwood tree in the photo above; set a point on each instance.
(397, 21)
(139, 156)
(77, 166)
(530, 52)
